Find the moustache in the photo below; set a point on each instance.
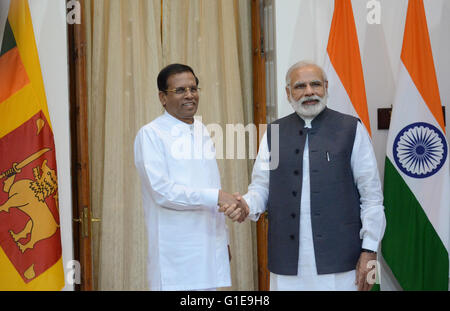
(310, 98)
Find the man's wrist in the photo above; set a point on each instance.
(365, 250)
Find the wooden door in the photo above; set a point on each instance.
(80, 157)
(259, 115)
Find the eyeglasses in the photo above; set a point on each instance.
(184, 90)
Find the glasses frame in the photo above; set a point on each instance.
(186, 89)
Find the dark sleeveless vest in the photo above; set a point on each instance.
(335, 205)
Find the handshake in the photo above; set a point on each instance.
(233, 206)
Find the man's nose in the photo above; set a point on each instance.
(309, 90)
(188, 93)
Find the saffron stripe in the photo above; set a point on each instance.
(418, 58)
(13, 75)
(343, 51)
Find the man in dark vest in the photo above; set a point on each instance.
(323, 196)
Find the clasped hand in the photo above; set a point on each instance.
(233, 205)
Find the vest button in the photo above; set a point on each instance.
(292, 237)
(294, 193)
(295, 172)
(301, 132)
(297, 151)
(293, 215)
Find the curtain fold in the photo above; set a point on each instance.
(124, 56)
(125, 53)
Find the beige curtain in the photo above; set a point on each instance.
(125, 53)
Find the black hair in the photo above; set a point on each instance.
(171, 70)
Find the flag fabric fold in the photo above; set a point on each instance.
(417, 175)
(343, 65)
(30, 239)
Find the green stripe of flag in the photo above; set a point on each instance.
(9, 42)
(411, 246)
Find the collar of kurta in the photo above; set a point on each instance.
(308, 122)
(180, 124)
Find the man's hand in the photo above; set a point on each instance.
(236, 212)
(245, 210)
(363, 268)
(226, 198)
(228, 205)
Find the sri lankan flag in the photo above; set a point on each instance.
(30, 240)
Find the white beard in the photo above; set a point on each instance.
(309, 111)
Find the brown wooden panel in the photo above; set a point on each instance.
(384, 117)
(80, 152)
(259, 115)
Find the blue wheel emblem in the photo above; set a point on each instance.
(420, 150)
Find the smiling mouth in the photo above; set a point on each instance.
(191, 104)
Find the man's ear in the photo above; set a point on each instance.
(162, 98)
(326, 85)
(288, 93)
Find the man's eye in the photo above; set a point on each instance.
(299, 86)
(179, 90)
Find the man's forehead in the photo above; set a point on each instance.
(306, 74)
(181, 78)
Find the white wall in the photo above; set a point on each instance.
(302, 28)
(50, 30)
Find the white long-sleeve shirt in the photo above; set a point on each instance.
(365, 173)
(187, 236)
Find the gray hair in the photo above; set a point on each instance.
(301, 64)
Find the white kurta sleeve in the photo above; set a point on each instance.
(365, 174)
(152, 166)
(258, 190)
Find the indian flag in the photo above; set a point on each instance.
(343, 65)
(30, 239)
(417, 175)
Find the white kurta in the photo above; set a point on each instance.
(365, 173)
(187, 236)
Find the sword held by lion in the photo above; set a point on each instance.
(29, 196)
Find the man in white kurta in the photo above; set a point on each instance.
(187, 236)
